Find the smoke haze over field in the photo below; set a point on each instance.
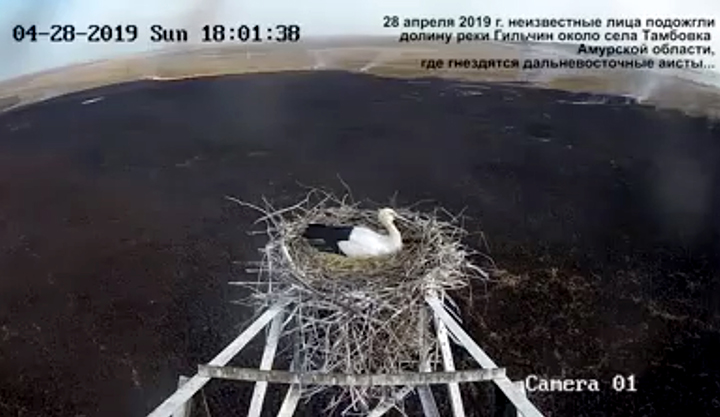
(316, 18)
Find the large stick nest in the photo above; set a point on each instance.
(360, 316)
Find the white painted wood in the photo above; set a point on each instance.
(521, 402)
(184, 393)
(185, 409)
(388, 403)
(449, 364)
(287, 409)
(428, 401)
(520, 385)
(425, 393)
(346, 380)
(271, 344)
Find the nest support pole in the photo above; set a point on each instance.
(512, 391)
(287, 409)
(449, 364)
(273, 337)
(405, 382)
(185, 410)
(185, 392)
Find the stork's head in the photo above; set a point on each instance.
(387, 215)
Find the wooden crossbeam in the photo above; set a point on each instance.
(313, 378)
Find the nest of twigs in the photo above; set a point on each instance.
(360, 316)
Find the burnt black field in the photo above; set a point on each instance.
(117, 243)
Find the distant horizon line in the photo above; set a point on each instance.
(187, 47)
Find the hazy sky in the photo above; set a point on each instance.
(316, 17)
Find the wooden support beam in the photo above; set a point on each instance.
(271, 344)
(345, 380)
(185, 409)
(184, 393)
(521, 402)
(520, 385)
(430, 408)
(427, 400)
(456, 401)
(388, 403)
(287, 409)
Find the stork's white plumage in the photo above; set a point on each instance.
(357, 241)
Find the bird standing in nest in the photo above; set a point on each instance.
(357, 241)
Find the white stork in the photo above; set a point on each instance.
(357, 241)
